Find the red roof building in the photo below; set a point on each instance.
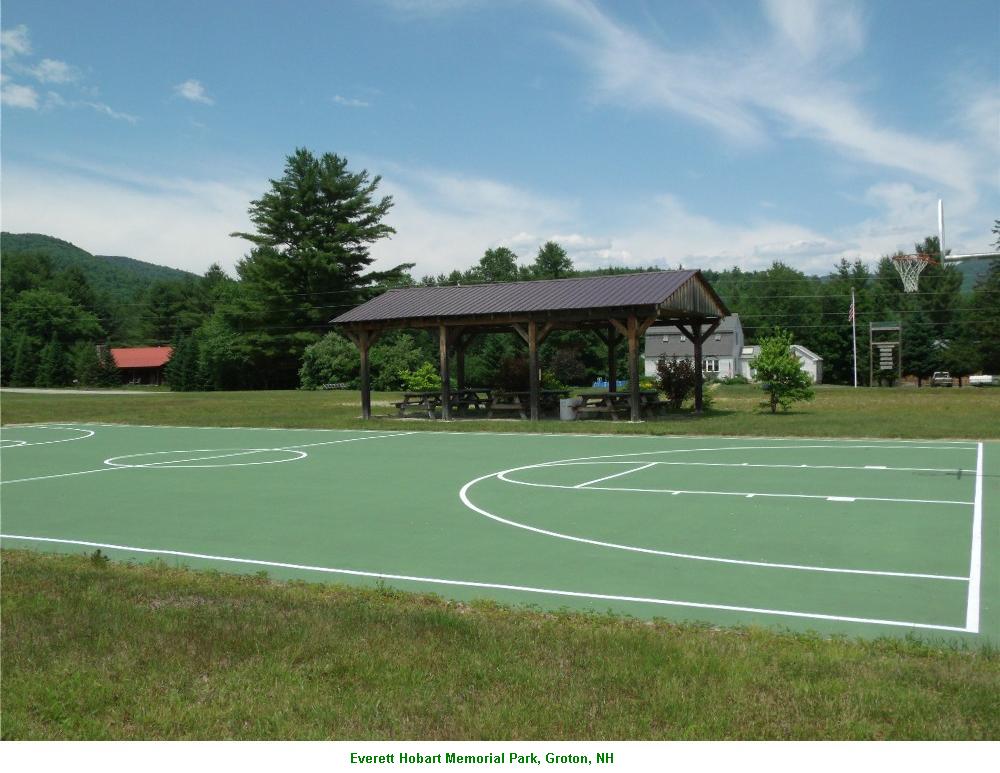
(143, 364)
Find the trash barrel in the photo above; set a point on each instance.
(567, 408)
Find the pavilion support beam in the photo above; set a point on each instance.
(462, 341)
(445, 374)
(460, 366)
(699, 376)
(363, 342)
(698, 337)
(633, 367)
(533, 380)
(612, 359)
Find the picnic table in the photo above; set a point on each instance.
(611, 403)
(461, 401)
(505, 400)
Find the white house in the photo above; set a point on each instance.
(812, 363)
(723, 354)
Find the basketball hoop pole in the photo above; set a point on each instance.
(941, 228)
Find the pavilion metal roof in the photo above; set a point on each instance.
(685, 290)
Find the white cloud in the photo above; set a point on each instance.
(740, 88)
(104, 109)
(193, 91)
(15, 95)
(817, 28)
(54, 71)
(15, 42)
(346, 102)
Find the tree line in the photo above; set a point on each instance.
(309, 259)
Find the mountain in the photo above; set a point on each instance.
(109, 275)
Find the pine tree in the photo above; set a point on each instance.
(310, 257)
(86, 366)
(53, 367)
(25, 361)
(921, 353)
(108, 373)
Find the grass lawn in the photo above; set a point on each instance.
(836, 412)
(114, 651)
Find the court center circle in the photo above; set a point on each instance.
(206, 458)
(82, 434)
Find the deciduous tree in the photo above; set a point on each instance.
(780, 372)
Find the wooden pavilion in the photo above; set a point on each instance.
(613, 306)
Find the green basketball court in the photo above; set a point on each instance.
(862, 537)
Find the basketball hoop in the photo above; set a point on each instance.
(910, 268)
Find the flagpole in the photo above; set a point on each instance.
(854, 337)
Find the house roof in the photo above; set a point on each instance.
(142, 356)
(683, 291)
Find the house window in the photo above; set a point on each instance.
(718, 337)
(710, 365)
(683, 338)
(666, 339)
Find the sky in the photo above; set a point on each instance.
(696, 133)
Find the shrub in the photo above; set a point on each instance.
(677, 378)
(512, 375)
(566, 367)
(737, 379)
(332, 359)
(423, 379)
(549, 381)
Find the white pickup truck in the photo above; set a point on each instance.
(941, 378)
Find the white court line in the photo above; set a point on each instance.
(348, 440)
(497, 586)
(779, 466)
(829, 497)
(616, 475)
(976, 558)
(62, 475)
(175, 463)
(463, 494)
(942, 444)
(25, 443)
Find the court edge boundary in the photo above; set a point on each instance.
(512, 433)
(497, 586)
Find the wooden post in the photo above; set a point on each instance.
(633, 367)
(366, 391)
(533, 381)
(612, 359)
(460, 345)
(445, 375)
(699, 380)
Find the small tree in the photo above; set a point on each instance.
(780, 373)
(677, 380)
(107, 369)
